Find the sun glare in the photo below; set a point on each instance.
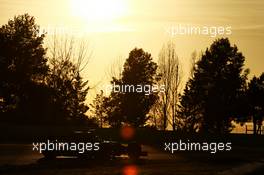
(98, 10)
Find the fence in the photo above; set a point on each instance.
(250, 130)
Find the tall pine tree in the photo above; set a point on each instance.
(211, 95)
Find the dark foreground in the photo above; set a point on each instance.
(20, 159)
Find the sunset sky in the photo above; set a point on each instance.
(114, 27)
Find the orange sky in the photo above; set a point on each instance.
(115, 28)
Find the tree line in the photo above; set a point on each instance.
(37, 88)
(216, 94)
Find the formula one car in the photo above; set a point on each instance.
(88, 145)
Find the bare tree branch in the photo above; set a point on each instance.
(171, 77)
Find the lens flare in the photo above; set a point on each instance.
(130, 170)
(127, 132)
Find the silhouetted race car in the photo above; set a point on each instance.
(90, 146)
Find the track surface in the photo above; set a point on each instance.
(20, 159)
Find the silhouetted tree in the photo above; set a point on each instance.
(155, 116)
(69, 88)
(213, 91)
(98, 109)
(132, 107)
(188, 109)
(255, 102)
(112, 108)
(170, 77)
(23, 64)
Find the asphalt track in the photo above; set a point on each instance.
(20, 159)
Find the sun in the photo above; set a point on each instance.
(99, 10)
